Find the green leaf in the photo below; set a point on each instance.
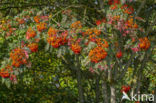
(91, 45)
(8, 83)
(47, 47)
(3, 80)
(64, 19)
(59, 53)
(85, 61)
(16, 72)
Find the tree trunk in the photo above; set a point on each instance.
(104, 92)
(101, 3)
(139, 82)
(79, 82)
(154, 96)
(97, 89)
(80, 90)
(113, 96)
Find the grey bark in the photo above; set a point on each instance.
(154, 96)
(105, 92)
(113, 95)
(80, 90)
(79, 82)
(97, 89)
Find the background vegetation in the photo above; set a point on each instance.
(62, 75)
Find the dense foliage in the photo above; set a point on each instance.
(77, 51)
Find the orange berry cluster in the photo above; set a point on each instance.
(92, 31)
(116, 17)
(110, 2)
(131, 24)
(21, 21)
(52, 32)
(55, 40)
(30, 33)
(98, 22)
(97, 54)
(113, 7)
(18, 57)
(41, 26)
(103, 43)
(5, 72)
(76, 48)
(125, 89)
(33, 47)
(4, 28)
(37, 19)
(76, 25)
(127, 9)
(144, 43)
(119, 54)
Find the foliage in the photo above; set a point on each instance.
(67, 52)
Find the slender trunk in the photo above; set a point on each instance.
(79, 82)
(80, 90)
(113, 96)
(139, 82)
(132, 91)
(138, 87)
(101, 3)
(97, 89)
(104, 92)
(154, 96)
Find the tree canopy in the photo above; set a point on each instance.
(77, 51)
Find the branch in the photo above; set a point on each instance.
(24, 6)
(141, 6)
(154, 61)
(126, 67)
(150, 28)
